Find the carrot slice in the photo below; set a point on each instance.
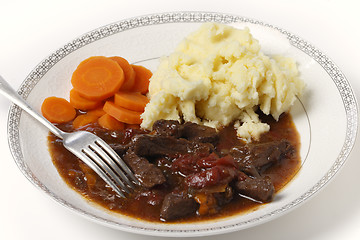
(97, 78)
(142, 76)
(108, 122)
(97, 112)
(122, 114)
(83, 120)
(82, 103)
(131, 100)
(129, 73)
(57, 110)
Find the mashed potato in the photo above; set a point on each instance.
(218, 75)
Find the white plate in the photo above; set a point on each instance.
(326, 115)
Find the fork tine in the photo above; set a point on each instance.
(101, 152)
(86, 158)
(91, 154)
(118, 160)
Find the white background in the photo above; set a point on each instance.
(30, 30)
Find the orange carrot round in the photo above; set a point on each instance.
(110, 123)
(131, 100)
(129, 73)
(57, 110)
(122, 114)
(142, 77)
(82, 103)
(83, 120)
(97, 112)
(97, 78)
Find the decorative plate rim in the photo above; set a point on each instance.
(343, 86)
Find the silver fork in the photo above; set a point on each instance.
(91, 149)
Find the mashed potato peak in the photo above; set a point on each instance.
(218, 75)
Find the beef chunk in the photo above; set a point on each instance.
(152, 197)
(152, 146)
(148, 174)
(266, 153)
(176, 205)
(244, 159)
(148, 145)
(199, 133)
(190, 131)
(167, 128)
(223, 198)
(260, 156)
(120, 149)
(123, 140)
(261, 189)
(217, 175)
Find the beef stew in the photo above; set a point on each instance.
(188, 172)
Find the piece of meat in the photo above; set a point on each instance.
(257, 157)
(124, 140)
(149, 145)
(153, 197)
(223, 198)
(155, 146)
(176, 205)
(190, 131)
(120, 149)
(148, 174)
(199, 133)
(167, 128)
(260, 189)
(243, 158)
(217, 175)
(267, 153)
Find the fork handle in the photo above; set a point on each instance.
(12, 95)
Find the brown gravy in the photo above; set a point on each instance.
(145, 205)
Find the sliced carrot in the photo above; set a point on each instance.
(57, 110)
(131, 100)
(97, 78)
(129, 73)
(97, 112)
(83, 120)
(122, 114)
(142, 77)
(108, 122)
(82, 103)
